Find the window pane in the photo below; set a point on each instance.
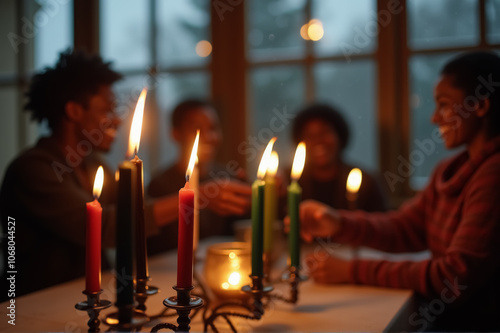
(442, 23)
(492, 21)
(54, 23)
(274, 28)
(351, 88)
(350, 27)
(173, 89)
(9, 46)
(124, 33)
(276, 91)
(181, 25)
(424, 72)
(9, 126)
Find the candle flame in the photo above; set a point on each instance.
(261, 172)
(272, 168)
(194, 156)
(135, 129)
(354, 180)
(99, 180)
(298, 161)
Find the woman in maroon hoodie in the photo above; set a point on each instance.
(456, 217)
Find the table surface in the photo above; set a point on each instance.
(320, 307)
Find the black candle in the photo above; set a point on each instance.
(140, 235)
(125, 214)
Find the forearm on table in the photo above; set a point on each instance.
(164, 210)
(396, 231)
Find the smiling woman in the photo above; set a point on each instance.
(467, 102)
(456, 217)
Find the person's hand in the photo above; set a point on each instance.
(325, 268)
(316, 220)
(225, 197)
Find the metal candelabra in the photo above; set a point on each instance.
(93, 305)
(183, 303)
(255, 310)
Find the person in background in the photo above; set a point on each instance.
(326, 135)
(223, 193)
(46, 188)
(456, 217)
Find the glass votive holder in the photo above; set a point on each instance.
(227, 269)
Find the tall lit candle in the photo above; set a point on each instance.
(270, 202)
(352, 187)
(258, 212)
(186, 224)
(93, 250)
(125, 213)
(140, 234)
(294, 194)
(194, 182)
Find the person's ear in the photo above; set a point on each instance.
(483, 107)
(176, 135)
(74, 111)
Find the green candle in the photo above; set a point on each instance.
(258, 212)
(270, 202)
(257, 224)
(294, 194)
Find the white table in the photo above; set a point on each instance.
(320, 307)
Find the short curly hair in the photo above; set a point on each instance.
(75, 77)
(325, 113)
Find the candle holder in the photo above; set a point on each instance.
(293, 278)
(126, 319)
(183, 303)
(257, 291)
(142, 291)
(93, 305)
(202, 293)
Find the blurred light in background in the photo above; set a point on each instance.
(203, 48)
(313, 30)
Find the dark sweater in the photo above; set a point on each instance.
(48, 202)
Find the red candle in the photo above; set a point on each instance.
(93, 250)
(185, 240)
(186, 226)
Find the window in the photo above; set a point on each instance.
(156, 44)
(287, 71)
(36, 32)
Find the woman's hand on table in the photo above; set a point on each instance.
(328, 269)
(316, 220)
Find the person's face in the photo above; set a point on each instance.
(322, 142)
(99, 121)
(206, 120)
(458, 122)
